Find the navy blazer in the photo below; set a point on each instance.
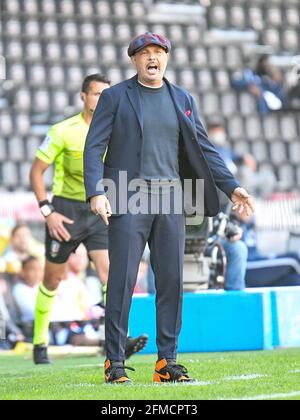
(117, 126)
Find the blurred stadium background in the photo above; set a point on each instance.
(49, 46)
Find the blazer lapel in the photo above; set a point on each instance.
(135, 100)
(179, 99)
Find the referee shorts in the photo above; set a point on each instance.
(88, 229)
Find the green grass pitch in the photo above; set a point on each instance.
(249, 375)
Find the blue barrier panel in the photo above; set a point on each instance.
(286, 316)
(212, 321)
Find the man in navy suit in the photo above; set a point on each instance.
(151, 131)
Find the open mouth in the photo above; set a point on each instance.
(152, 69)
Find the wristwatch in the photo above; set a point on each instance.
(46, 208)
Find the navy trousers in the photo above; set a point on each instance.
(128, 235)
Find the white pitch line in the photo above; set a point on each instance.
(271, 396)
(245, 377)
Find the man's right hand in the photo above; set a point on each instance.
(101, 207)
(56, 227)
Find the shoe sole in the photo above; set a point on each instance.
(139, 346)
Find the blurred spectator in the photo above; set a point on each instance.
(236, 255)
(73, 301)
(293, 100)
(18, 250)
(142, 277)
(25, 291)
(10, 331)
(80, 265)
(265, 83)
(268, 270)
(244, 167)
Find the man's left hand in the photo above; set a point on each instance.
(243, 202)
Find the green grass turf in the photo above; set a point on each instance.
(264, 375)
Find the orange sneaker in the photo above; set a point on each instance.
(114, 373)
(170, 372)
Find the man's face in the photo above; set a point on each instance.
(151, 63)
(33, 273)
(21, 239)
(78, 261)
(218, 136)
(91, 98)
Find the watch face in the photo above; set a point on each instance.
(46, 210)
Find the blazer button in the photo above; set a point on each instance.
(138, 155)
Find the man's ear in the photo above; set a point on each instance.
(82, 96)
(133, 60)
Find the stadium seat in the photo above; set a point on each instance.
(85, 8)
(205, 80)
(253, 130)
(193, 35)
(292, 16)
(31, 146)
(10, 174)
(3, 154)
(87, 31)
(66, 7)
(233, 57)
(56, 75)
(294, 152)
(103, 9)
(137, 9)
(237, 18)
(74, 75)
(286, 175)
(22, 124)
(50, 29)
(90, 53)
(255, 18)
(290, 40)
(223, 81)
(215, 57)
(123, 33)
(15, 149)
(271, 37)
(120, 9)
(274, 17)
(288, 128)
(105, 31)
(278, 153)
(270, 127)
(48, 7)
(179, 57)
(22, 99)
(228, 104)
(176, 34)
(17, 73)
(40, 101)
(11, 6)
(32, 29)
(31, 7)
(6, 124)
(24, 174)
(13, 28)
(37, 74)
(236, 128)
(53, 51)
(69, 30)
(199, 57)
(14, 51)
(260, 151)
(218, 17)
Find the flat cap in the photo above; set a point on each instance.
(146, 39)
